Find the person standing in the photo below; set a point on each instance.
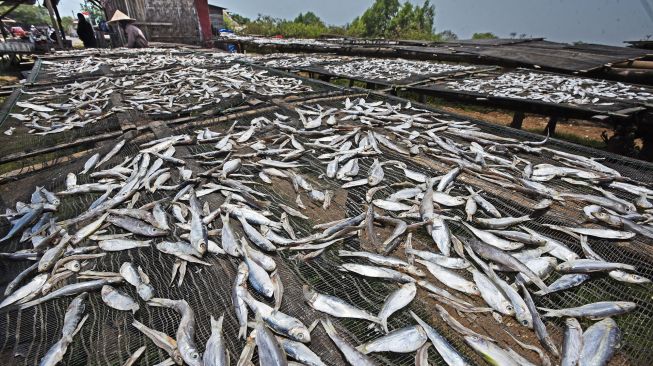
(135, 37)
(85, 32)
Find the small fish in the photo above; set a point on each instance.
(572, 343)
(404, 340)
(352, 355)
(336, 307)
(215, 353)
(597, 310)
(118, 300)
(114, 245)
(450, 278)
(90, 163)
(396, 301)
(600, 343)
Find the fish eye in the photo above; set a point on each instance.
(510, 308)
(474, 288)
(195, 355)
(525, 322)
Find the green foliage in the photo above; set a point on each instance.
(67, 23)
(447, 35)
(241, 20)
(96, 13)
(486, 35)
(28, 14)
(309, 19)
(385, 18)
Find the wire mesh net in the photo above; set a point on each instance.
(109, 338)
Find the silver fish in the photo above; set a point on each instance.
(502, 222)
(215, 353)
(591, 265)
(118, 300)
(238, 294)
(115, 245)
(229, 242)
(572, 343)
(396, 301)
(444, 261)
(597, 310)
(450, 278)
(298, 351)
(335, 306)
(269, 350)
(185, 331)
(352, 355)
(492, 353)
(90, 163)
(73, 321)
(281, 323)
(377, 272)
(600, 342)
(404, 340)
(448, 353)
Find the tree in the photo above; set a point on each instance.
(28, 14)
(68, 24)
(376, 20)
(448, 35)
(486, 35)
(309, 19)
(96, 13)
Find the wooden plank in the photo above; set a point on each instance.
(517, 120)
(85, 140)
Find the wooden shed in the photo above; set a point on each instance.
(216, 15)
(174, 21)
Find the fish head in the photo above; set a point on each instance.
(192, 357)
(634, 278)
(526, 321)
(477, 343)
(301, 334)
(309, 294)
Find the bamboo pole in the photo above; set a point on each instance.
(48, 4)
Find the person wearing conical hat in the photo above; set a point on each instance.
(135, 37)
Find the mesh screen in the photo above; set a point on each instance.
(109, 338)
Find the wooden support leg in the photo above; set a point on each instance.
(351, 82)
(326, 78)
(517, 120)
(550, 128)
(421, 98)
(369, 86)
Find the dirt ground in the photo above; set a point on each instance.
(585, 130)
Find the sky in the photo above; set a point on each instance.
(594, 21)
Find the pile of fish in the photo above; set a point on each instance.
(293, 60)
(393, 69)
(553, 88)
(271, 40)
(142, 61)
(220, 205)
(181, 89)
(124, 51)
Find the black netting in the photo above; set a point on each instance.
(109, 338)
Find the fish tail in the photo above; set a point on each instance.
(384, 325)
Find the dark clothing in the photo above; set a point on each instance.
(135, 37)
(85, 32)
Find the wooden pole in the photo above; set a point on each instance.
(56, 13)
(517, 120)
(48, 4)
(550, 128)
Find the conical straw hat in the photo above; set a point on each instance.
(119, 15)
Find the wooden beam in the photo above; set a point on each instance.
(48, 4)
(517, 120)
(550, 128)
